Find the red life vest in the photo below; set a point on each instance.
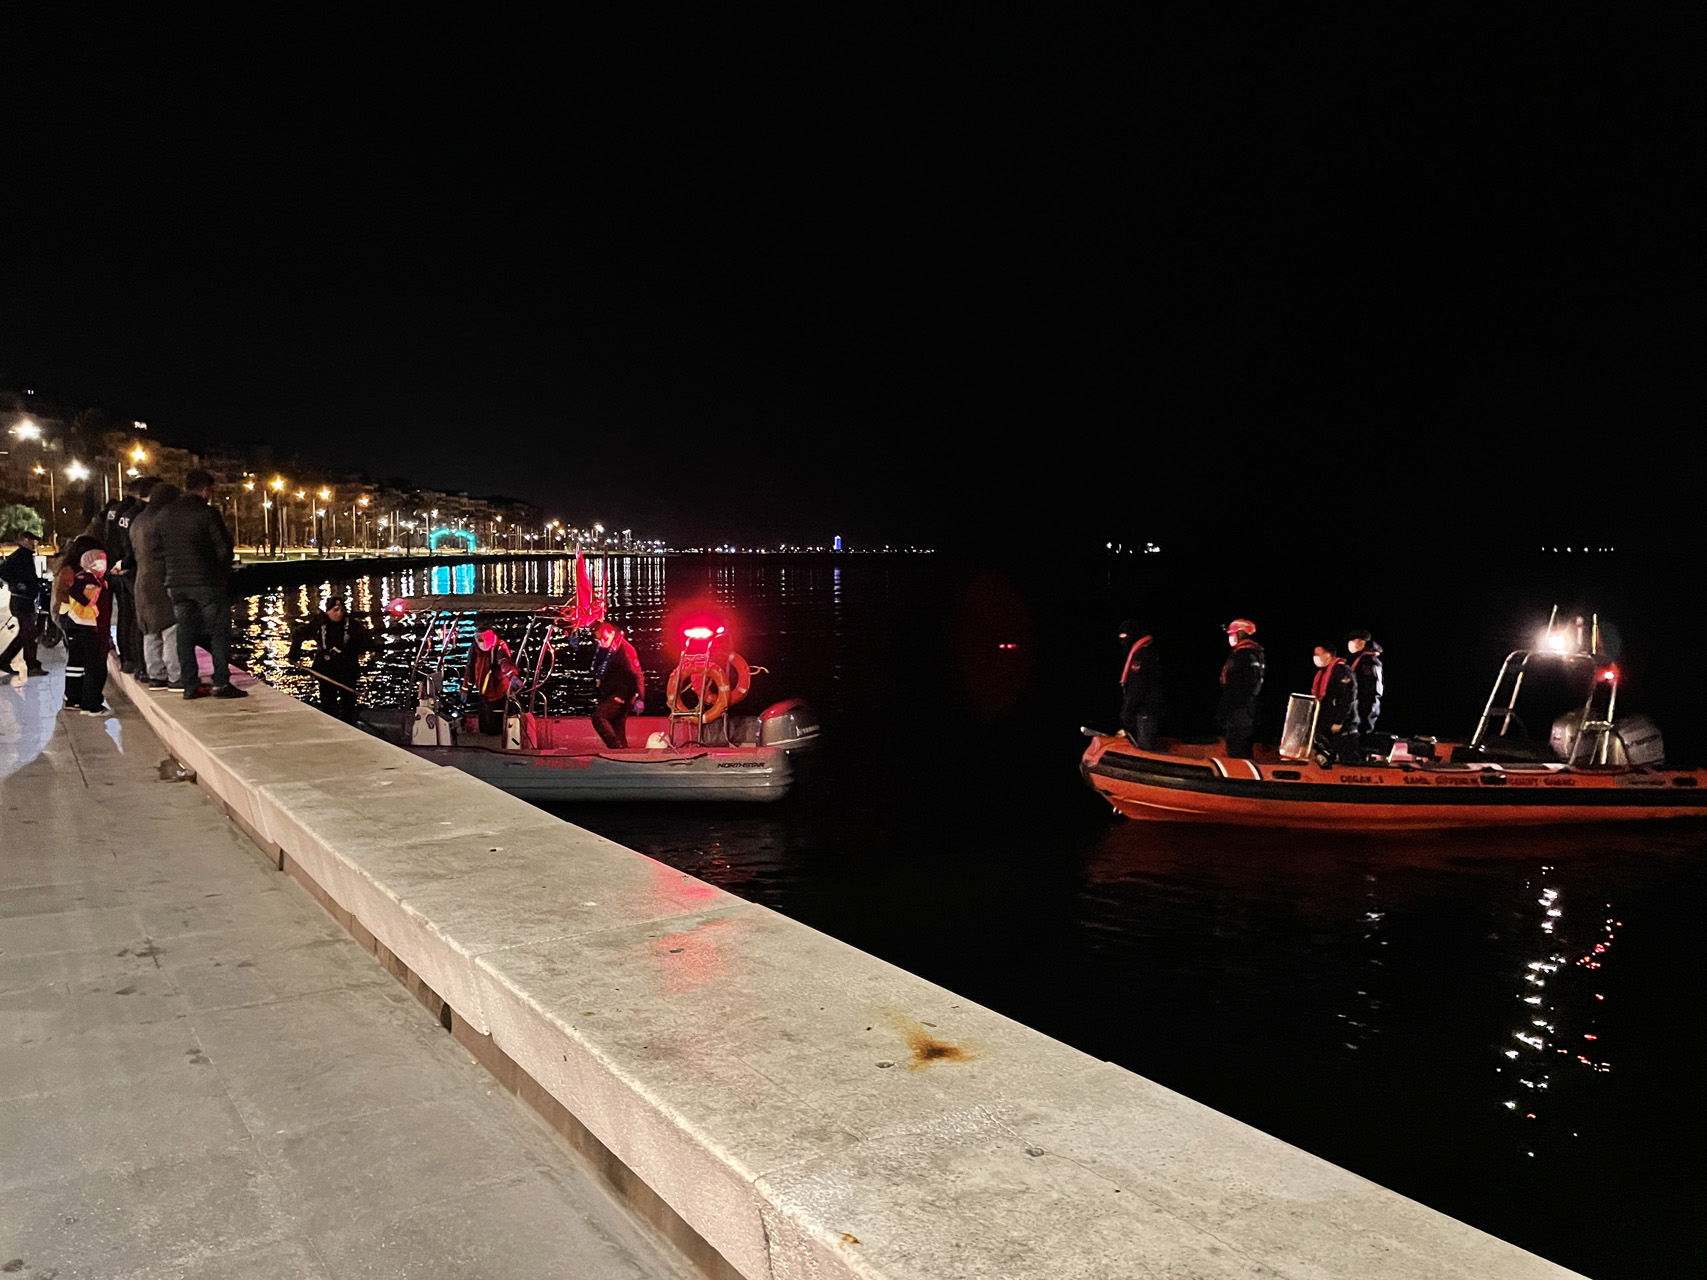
(1127, 669)
(1319, 686)
(1227, 666)
(494, 672)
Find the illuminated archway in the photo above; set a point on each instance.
(461, 538)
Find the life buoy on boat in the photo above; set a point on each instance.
(690, 689)
(740, 678)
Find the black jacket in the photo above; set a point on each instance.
(1336, 687)
(338, 646)
(120, 553)
(1366, 666)
(1141, 689)
(1241, 680)
(18, 572)
(195, 543)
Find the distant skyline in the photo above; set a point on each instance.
(1155, 279)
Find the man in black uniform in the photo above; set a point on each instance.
(122, 575)
(621, 684)
(1141, 699)
(340, 642)
(1366, 667)
(1241, 681)
(1335, 688)
(24, 584)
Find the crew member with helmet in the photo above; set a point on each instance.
(488, 678)
(1241, 682)
(1335, 690)
(340, 642)
(621, 684)
(1366, 667)
(1142, 701)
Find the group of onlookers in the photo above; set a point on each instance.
(158, 563)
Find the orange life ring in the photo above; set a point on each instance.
(690, 689)
(740, 678)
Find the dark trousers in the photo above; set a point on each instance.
(203, 615)
(1339, 748)
(1239, 728)
(85, 667)
(611, 720)
(1141, 730)
(336, 702)
(130, 632)
(25, 612)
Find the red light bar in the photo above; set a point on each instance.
(699, 633)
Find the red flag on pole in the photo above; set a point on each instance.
(588, 607)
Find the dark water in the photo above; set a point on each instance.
(1503, 1025)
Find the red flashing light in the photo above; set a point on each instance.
(1611, 673)
(698, 633)
(398, 606)
(1007, 646)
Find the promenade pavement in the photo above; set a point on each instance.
(202, 1075)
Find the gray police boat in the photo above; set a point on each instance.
(701, 749)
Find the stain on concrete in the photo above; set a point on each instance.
(16, 1264)
(848, 1238)
(928, 1049)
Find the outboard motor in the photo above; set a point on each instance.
(427, 726)
(1642, 742)
(1634, 741)
(791, 725)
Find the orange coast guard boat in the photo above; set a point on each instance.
(1589, 769)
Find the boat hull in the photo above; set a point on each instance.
(1183, 785)
(744, 774)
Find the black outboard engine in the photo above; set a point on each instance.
(791, 725)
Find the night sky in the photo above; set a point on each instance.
(1180, 275)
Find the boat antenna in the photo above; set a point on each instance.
(1551, 619)
(1594, 633)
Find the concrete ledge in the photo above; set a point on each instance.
(784, 1106)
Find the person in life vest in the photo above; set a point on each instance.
(87, 615)
(487, 679)
(1335, 688)
(1141, 699)
(1241, 682)
(1366, 666)
(621, 685)
(340, 643)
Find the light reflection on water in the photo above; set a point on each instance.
(1441, 1013)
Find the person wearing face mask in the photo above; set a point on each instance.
(487, 679)
(1366, 667)
(621, 685)
(1141, 699)
(1241, 682)
(87, 614)
(1335, 689)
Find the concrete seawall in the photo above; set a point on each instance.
(784, 1106)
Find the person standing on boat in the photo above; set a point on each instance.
(488, 678)
(1141, 699)
(340, 642)
(1366, 667)
(1335, 689)
(622, 685)
(1241, 682)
